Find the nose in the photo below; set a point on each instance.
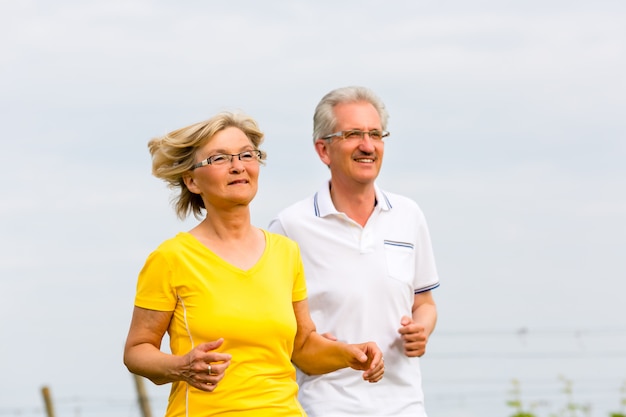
(236, 165)
(367, 144)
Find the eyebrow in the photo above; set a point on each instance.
(361, 129)
(224, 151)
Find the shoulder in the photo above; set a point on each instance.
(399, 202)
(295, 214)
(398, 210)
(282, 249)
(304, 206)
(173, 247)
(277, 240)
(174, 243)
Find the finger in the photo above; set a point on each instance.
(375, 374)
(405, 330)
(374, 358)
(415, 351)
(211, 345)
(411, 329)
(220, 357)
(216, 370)
(359, 353)
(375, 377)
(330, 336)
(209, 386)
(419, 344)
(208, 381)
(376, 363)
(378, 358)
(204, 385)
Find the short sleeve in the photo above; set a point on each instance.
(154, 288)
(299, 283)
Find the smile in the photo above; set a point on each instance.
(238, 182)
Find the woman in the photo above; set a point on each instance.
(231, 296)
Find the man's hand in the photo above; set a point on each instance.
(414, 337)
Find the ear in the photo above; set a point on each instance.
(190, 183)
(321, 147)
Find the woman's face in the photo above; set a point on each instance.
(228, 184)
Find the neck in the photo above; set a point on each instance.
(232, 237)
(356, 202)
(231, 225)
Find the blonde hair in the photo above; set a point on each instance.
(173, 155)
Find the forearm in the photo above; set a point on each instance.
(318, 355)
(148, 361)
(426, 315)
(424, 311)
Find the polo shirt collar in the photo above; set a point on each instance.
(324, 204)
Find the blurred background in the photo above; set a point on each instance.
(508, 128)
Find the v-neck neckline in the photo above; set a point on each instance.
(224, 262)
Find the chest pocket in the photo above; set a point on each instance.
(400, 258)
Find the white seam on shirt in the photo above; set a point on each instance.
(192, 346)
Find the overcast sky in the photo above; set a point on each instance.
(507, 126)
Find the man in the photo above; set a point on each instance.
(368, 263)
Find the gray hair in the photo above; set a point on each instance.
(324, 120)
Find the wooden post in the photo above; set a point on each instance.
(47, 399)
(144, 404)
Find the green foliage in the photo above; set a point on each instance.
(622, 413)
(516, 402)
(571, 407)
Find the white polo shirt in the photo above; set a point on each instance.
(360, 282)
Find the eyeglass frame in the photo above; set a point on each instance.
(259, 156)
(361, 134)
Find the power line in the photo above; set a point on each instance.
(527, 355)
(528, 331)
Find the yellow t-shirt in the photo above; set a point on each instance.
(252, 310)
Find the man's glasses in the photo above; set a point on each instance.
(358, 134)
(255, 155)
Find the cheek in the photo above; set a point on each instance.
(208, 182)
(253, 172)
(380, 150)
(344, 152)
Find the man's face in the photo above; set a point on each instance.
(354, 161)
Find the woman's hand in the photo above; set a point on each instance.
(369, 358)
(142, 354)
(205, 368)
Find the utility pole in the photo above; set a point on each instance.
(47, 399)
(144, 404)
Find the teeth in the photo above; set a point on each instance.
(364, 160)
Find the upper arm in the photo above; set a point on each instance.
(305, 324)
(147, 326)
(423, 298)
